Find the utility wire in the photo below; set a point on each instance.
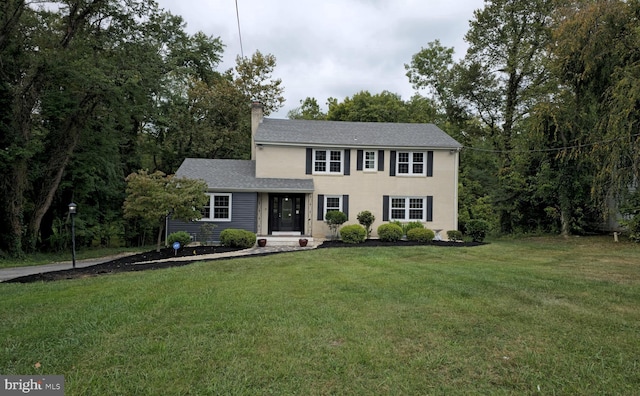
(239, 33)
(548, 149)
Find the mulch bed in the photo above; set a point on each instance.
(129, 263)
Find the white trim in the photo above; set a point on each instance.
(411, 163)
(407, 209)
(212, 207)
(375, 161)
(327, 162)
(326, 198)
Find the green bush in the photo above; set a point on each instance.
(421, 235)
(354, 233)
(410, 226)
(233, 237)
(334, 220)
(477, 229)
(389, 232)
(366, 219)
(454, 235)
(181, 236)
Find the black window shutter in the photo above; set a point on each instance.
(347, 162)
(385, 208)
(309, 161)
(430, 208)
(320, 207)
(392, 164)
(429, 163)
(380, 160)
(345, 205)
(360, 160)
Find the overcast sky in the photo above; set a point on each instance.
(331, 48)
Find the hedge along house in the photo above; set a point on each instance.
(299, 170)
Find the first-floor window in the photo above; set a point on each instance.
(332, 203)
(218, 208)
(408, 209)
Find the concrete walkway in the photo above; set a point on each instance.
(17, 272)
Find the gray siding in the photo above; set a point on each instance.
(244, 208)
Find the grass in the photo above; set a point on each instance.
(534, 316)
(48, 258)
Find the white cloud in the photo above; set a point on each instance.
(332, 48)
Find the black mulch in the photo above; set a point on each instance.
(128, 263)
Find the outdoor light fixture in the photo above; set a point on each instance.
(73, 209)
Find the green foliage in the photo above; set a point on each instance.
(422, 235)
(237, 238)
(353, 233)
(153, 197)
(308, 110)
(206, 233)
(477, 229)
(454, 235)
(389, 232)
(410, 226)
(334, 220)
(180, 236)
(366, 219)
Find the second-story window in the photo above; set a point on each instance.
(327, 161)
(411, 163)
(370, 161)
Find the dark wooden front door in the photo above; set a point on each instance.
(286, 213)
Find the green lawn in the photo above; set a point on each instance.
(534, 316)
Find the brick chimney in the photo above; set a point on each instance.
(257, 113)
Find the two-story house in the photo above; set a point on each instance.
(299, 170)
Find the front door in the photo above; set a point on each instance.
(286, 213)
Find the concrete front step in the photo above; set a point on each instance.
(283, 240)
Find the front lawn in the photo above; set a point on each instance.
(533, 316)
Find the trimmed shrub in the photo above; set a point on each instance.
(334, 220)
(180, 236)
(477, 229)
(390, 232)
(233, 237)
(422, 235)
(454, 235)
(354, 233)
(412, 225)
(366, 219)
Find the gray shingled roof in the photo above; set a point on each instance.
(353, 134)
(237, 175)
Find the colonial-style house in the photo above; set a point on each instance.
(299, 170)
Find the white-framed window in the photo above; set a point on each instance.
(370, 163)
(332, 203)
(411, 163)
(218, 208)
(408, 208)
(327, 161)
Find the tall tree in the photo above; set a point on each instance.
(309, 110)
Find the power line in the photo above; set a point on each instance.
(239, 32)
(548, 149)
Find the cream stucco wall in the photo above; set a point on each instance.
(365, 189)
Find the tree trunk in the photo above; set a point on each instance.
(160, 231)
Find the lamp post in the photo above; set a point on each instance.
(73, 209)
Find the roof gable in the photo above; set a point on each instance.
(352, 134)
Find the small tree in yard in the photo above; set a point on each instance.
(153, 197)
(366, 219)
(334, 220)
